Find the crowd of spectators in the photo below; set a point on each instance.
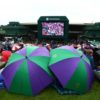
(91, 51)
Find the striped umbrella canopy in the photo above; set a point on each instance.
(71, 68)
(27, 71)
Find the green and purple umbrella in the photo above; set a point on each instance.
(71, 68)
(27, 71)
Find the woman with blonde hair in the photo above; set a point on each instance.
(89, 54)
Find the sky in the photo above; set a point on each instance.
(29, 11)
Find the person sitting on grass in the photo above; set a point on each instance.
(89, 54)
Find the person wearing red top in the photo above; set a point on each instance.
(5, 54)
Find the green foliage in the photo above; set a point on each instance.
(93, 30)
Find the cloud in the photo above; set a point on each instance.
(77, 11)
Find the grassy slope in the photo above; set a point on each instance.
(51, 94)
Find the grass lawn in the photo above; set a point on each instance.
(51, 94)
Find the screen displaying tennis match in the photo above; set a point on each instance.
(52, 28)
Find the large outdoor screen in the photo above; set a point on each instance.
(52, 28)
